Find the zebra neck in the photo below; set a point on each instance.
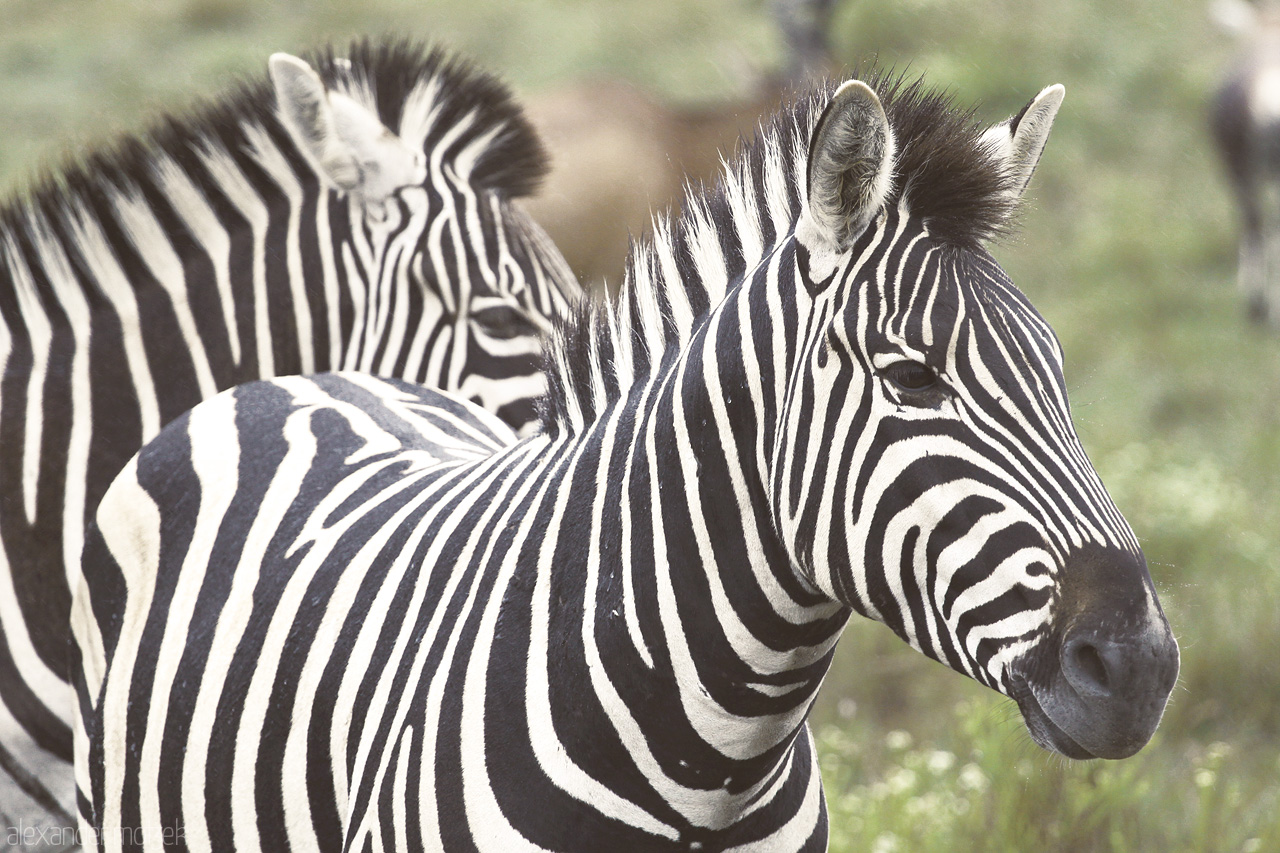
(715, 647)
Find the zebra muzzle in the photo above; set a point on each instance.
(1097, 686)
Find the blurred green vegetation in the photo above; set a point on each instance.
(1126, 246)
(978, 785)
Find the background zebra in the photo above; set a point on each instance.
(1246, 125)
(281, 230)
(324, 613)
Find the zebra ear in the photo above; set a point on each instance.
(1020, 141)
(849, 175)
(351, 148)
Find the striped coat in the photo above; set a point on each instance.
(283, 229)
(342, 614)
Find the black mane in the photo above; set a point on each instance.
(945, 173)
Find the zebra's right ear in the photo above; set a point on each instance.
(350, 147)
(848, 177)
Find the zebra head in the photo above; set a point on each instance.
(432, 225)
(934, 480)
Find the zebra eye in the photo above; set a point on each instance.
(910, 375)
(503, 322)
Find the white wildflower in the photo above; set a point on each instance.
(940, 761)
(972, 778)
(886, 842)
(897, 739)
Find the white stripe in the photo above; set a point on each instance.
(156, 251)
(241, 194)
(193, 208)
(40, 337)
(129, 521)
(117, 287)
(270, 158)
(329, 264)
(219, 480)
(550, 753)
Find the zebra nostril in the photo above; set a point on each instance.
(1090, 662)
(1085, 666)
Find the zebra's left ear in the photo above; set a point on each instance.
(847, 179)
(351, 148)
(1020, 141)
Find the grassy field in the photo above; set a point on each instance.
(1127, 247)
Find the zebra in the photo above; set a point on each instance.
(339, 613)
(283, 229)
(1245, 120)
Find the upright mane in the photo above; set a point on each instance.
(419, 92)
(945, 173)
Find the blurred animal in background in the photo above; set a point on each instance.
(1246, 125)
(618, 154)
(354, 216)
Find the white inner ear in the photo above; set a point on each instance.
(1021, 148)
(349, 146)
(999, 140)
(850, 161)
(849, 176)
(385, 161)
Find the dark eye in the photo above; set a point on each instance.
(503, 322)
(910, 375)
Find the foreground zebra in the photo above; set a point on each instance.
(243, 242)
(340, 613)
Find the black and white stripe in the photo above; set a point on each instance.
(221, 248)
(326, 613)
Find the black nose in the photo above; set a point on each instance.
(1121, 680)
(1115, 661)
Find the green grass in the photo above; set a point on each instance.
(1126, 246)
(978, 785)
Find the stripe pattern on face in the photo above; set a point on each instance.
(210, 252)
(964, 498)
